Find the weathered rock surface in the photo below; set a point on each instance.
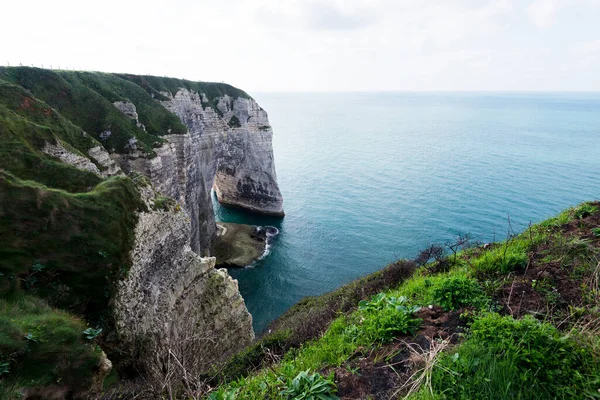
(130, 111)
(239, 245)
(59, 151)
(176, 302)
(236, 160)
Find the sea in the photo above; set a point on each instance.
(369, 178)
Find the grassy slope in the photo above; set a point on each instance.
(540, 343)
(42, 346)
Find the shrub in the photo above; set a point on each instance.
(386, 317)
(223, 394)
(584, 210)
(234, 122)
(458, 291)
(307, 386)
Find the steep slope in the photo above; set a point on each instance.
(105, 205)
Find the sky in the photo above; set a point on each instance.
(318, 45)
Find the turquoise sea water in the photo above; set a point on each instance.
(369, 178)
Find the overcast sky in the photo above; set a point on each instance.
(318, 45)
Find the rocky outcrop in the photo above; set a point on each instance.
(185, 312)
(59, 151)
(102, 158)
(234, 158)
(104, 166)
(130, 111)
(246, 175)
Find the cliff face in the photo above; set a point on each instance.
(176, 302)
(106, 207)
(228, 148)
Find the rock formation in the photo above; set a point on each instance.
(176, 302)
(137, 237)
(235, 159)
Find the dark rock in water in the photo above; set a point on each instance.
(259, 233)
(239, 245)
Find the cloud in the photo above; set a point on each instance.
(319, 14)
(543, 12)
(587, 47)
(327, 14)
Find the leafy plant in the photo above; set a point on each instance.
(385, 317)
(377, 302)
(37, 266)
(307, 386)
(381, 301)
(223, 394)
(596, 231)
(31, 337)
(91, 333)
(458, 291)
(4, 368)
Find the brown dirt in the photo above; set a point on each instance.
(557, 286)
(379, 373)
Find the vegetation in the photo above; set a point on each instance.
(506, 358)
(309, 319)
(234, 122)
(310, 387)
(42, 346)
(86, 100)
(529, 345)
(68, 248)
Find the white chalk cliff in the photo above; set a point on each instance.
(229, 149)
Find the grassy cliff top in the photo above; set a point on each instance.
(85, 100)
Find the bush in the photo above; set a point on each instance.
(458, 291)
(387, 317)
(234, 122)
(584, 210)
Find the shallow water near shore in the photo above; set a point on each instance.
(369, 178)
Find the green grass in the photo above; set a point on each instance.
(504, 358)
(82, 240)
(309, 319)
(498, 358)
(86, 100)
(42, 346)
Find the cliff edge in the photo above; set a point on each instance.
(107, 226)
